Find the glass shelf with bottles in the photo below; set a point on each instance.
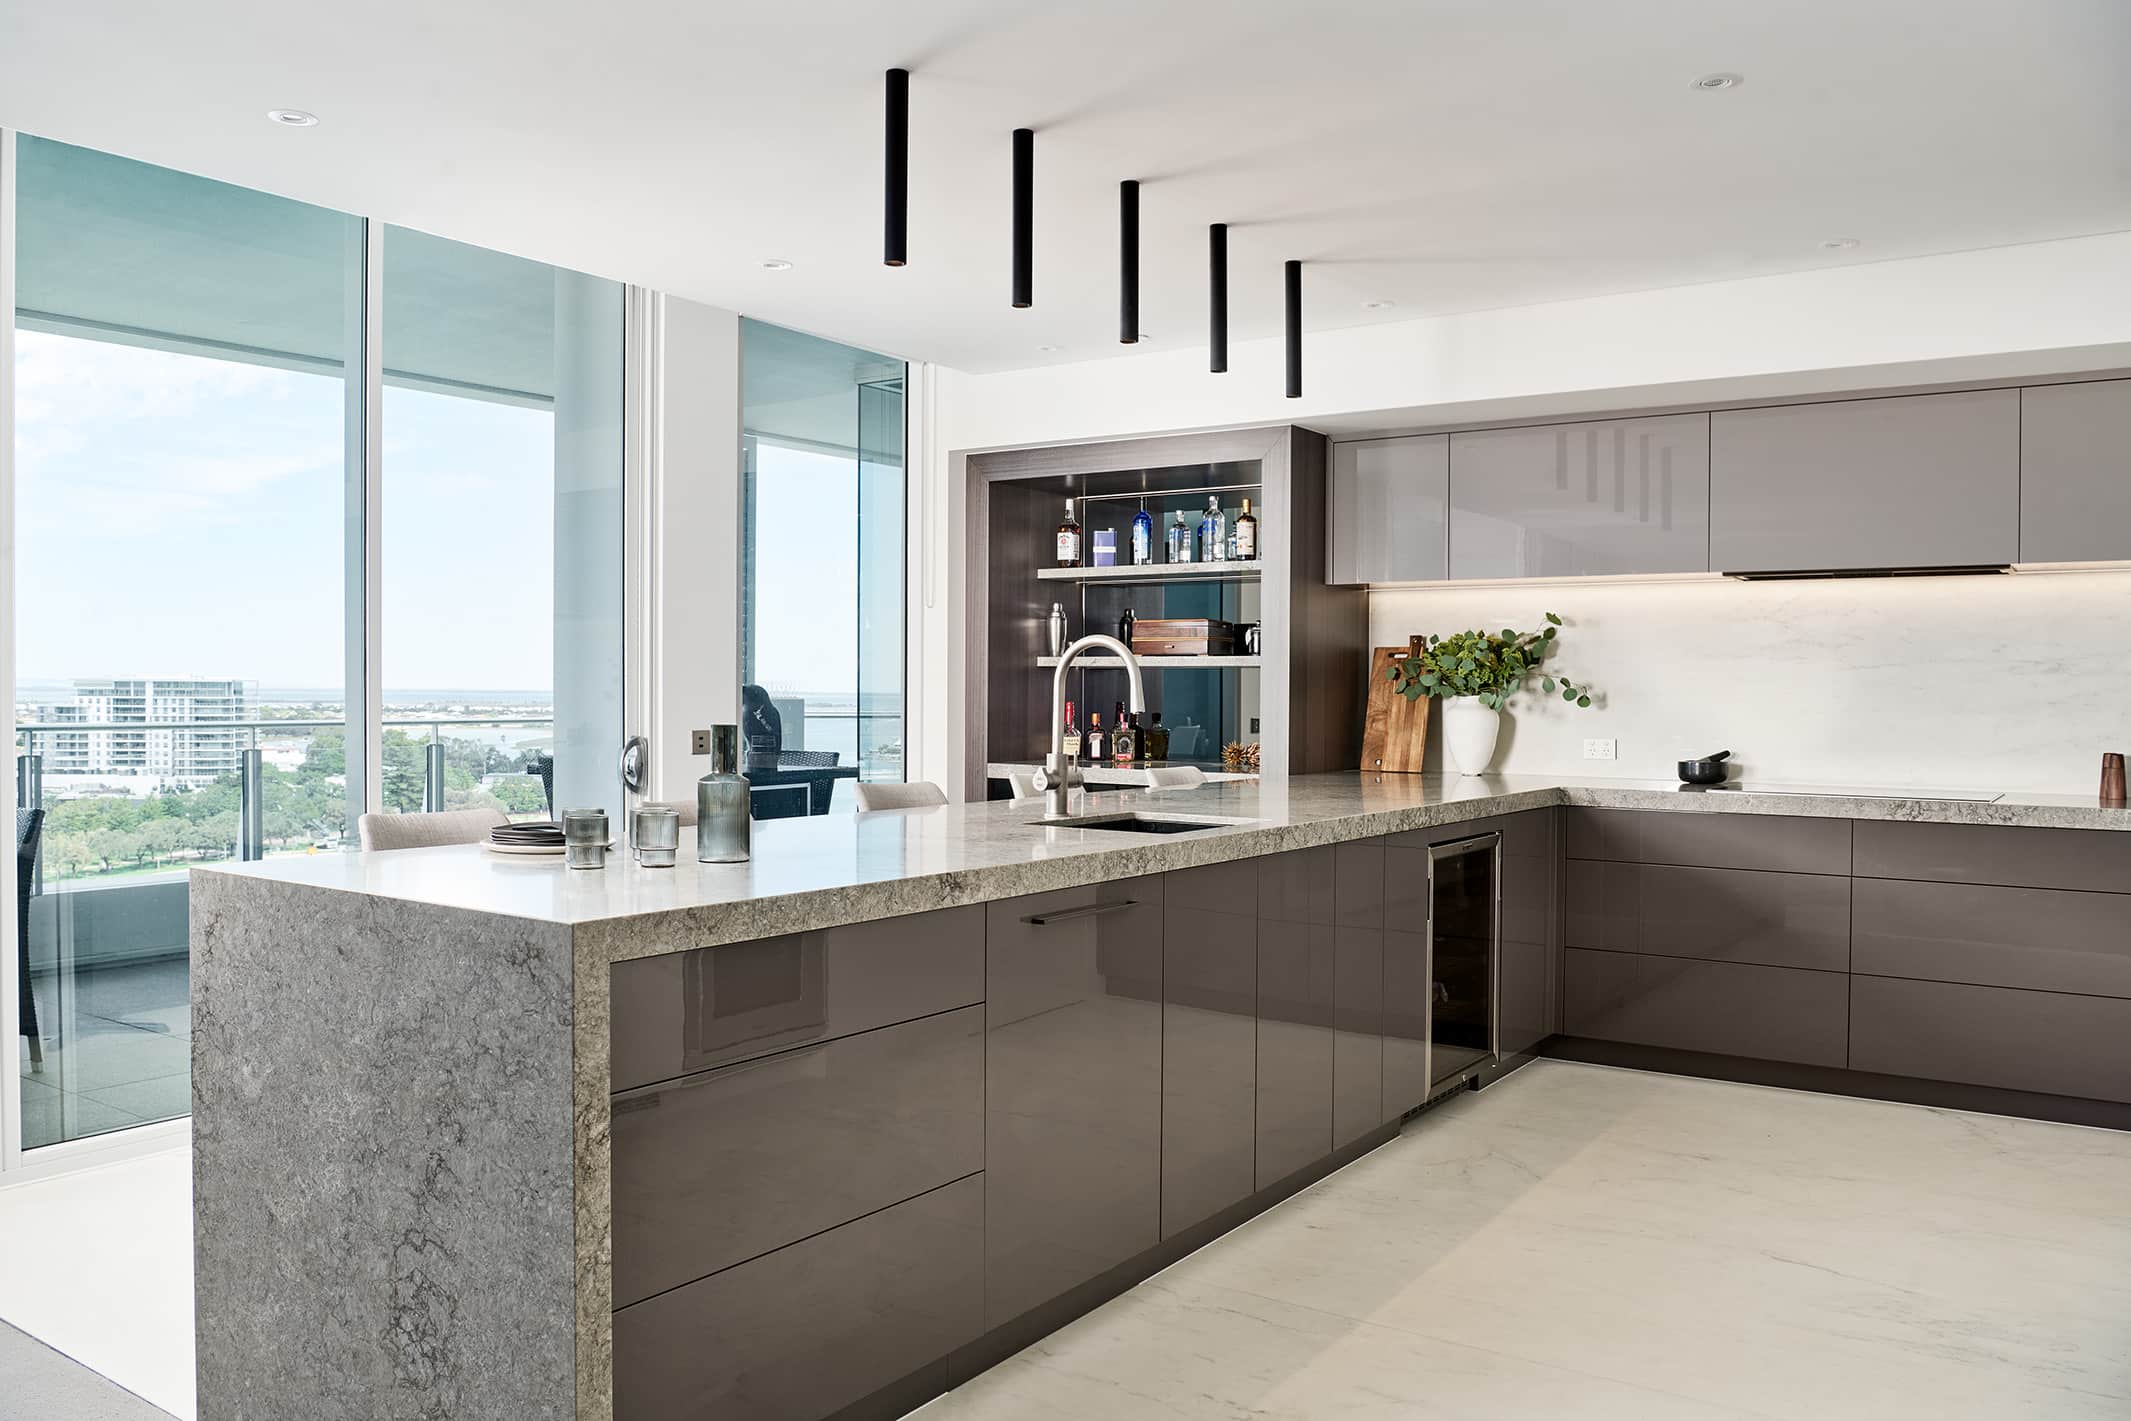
(1214, 533)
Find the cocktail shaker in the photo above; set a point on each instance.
(1058, 628)
(722, 826)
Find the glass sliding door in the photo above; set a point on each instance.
(822, 586)
(182, 350)
(503, 536)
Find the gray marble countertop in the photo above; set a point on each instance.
(824, 870)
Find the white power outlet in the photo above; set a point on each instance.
(699, 742)
(1601, 749)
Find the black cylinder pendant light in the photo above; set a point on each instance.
(1217, 298)
(1128, 262)
(1024, 217)
(1294, 330)
(895, 245)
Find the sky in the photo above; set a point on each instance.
(183, 516)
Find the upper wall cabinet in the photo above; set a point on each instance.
(1388, 499)
(2075, 472)
(1911, 482)
(1581, 500)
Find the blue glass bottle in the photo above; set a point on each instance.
(1142, 537)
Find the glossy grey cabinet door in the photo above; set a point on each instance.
(2046, 939)
(1531, 928)
(1357, 990)
(1389, 510)
(714, 1169)
(2090, 860)
(1209, 1069)
(1913, 481)
(1777, 842)
(1579, 500)
(689, 1011)
(1728, 1008)
(1073, 1088)
(811, 1328)
(2075, 472)
(2049, 1042)
(1717, 914)
(1296, 963)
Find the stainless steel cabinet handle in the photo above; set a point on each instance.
(1068, 914)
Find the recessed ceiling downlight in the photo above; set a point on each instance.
(1046, 349)
(1838, 244)
(1378, 305)
(776, 264)
(1715, 83)
(292, 118)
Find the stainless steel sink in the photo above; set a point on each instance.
(1133, 823)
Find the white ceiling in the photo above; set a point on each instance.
(1445, 155)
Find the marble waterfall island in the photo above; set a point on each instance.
(416, 1122)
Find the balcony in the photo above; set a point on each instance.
(104, 895)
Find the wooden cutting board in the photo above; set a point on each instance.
(1394, 730)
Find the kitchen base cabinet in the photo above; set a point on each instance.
(1209, 1068)
(814, 1327)
(2051, 1043)
(1531, 928)
(2044, 939)
(1296, 962)
(1357, 1033)
(1406, 991)
(1726, 1008)
(1073, 1088)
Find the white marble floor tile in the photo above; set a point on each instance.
(1759, 1252)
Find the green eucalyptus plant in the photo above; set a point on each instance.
(1488, 667)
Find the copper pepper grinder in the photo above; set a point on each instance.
(2112, 780)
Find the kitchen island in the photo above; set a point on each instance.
(478, 1138)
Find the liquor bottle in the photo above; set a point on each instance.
(1125, 625)
(1180, 539)
(722, 824)
(1213, 532)
(1069, 539)
(1246, 533)
(1093, 744)
(1156, 741)
(1124, 744)
(1142, 537)
(1072, 735)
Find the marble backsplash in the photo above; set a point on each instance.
(2015, 682)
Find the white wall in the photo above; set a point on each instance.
(695, 573)
(2006, 682)
(2015, 311)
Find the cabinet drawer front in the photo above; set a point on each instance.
(1913, 481)
(1772, 842)
(809, 1329)
(1357, 1033)
(1718, 914)
(714, 1169)
(2041, 938)
(1731, 1009)
(1608, 497)
(1296, 966)
(689, 1011)
(1209, 1059)
(1073, 1089)
(2046, 1042)
(2098, 860)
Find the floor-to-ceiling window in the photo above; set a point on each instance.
(502, 577)
(181, 348)
(201, 516)
(822, 590)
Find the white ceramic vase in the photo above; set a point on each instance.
(1469, 734)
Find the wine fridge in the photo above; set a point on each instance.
(1464, 957)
